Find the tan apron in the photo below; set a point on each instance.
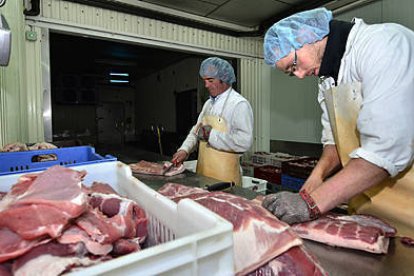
(393, 199)
(221, 165)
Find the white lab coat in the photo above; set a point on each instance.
(386, 119)
(239, 117)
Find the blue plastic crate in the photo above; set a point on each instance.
(26, 161)
(292, 183)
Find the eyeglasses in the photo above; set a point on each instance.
(294, 65)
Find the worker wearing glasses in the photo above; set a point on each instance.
(366, 92)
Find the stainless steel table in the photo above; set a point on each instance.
(341, 261)
(336, 261)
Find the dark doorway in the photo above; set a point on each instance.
(81, 90)
(186, 111)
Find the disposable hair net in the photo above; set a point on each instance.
(217, 68)
(294, 31)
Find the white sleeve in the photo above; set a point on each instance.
(327, 136)
(240, 135)
(386, 118)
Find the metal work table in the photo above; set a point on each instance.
(336, 261)
(341, 261)
(191, 179)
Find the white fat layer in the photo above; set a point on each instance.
(80, 199)
(107, 196)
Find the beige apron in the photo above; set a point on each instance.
(391, 200)
(221, 165)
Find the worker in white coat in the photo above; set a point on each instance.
(224, 129)
(366, 92)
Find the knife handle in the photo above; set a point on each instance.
(219, 186)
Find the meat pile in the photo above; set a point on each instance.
(263, 245)
(151, 168)
(17, 146)
(51, 223)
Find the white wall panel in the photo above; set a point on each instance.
(15, 109)
(255, 87)
(57, 13)
(34, 91)
(399, 11)
(295, 114)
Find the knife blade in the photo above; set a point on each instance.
(219, 186)
(168, 168)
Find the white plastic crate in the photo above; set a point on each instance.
(185, 238)
(255, 184)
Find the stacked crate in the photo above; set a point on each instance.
(295, 172)
(268, 166)
(248, 168)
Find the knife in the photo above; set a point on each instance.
(219, 186)
(168, 168)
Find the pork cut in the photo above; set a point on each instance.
(44, 204)
(258, 235)
(13, 147)
(52, 259)
(42, 146)
(175, 190)
(114, 216)
(5, 269)
(51, 223)
(38, 208)
(152, 168)
(295, 261)
(12, 245)
(361, 232)
(75, 235)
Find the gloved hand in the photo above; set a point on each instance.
(204, 132)
(288, 207)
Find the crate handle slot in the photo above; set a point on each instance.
(44, 157)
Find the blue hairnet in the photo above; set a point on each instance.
(294, 31)
(217, 68)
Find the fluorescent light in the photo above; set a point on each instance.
(119, 74)
(119, 81)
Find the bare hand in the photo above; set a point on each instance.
(179, 157)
